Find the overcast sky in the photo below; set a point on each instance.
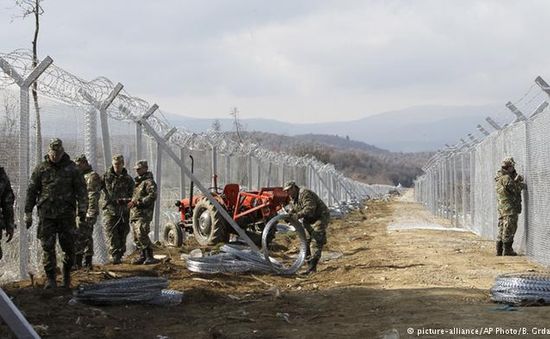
(298, 61)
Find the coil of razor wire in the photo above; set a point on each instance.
(276, 266)
(522, 289)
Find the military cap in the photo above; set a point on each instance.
(56, 145)
(508, 161)
(141, 164)
(118, 158)
(289, 185)
(81, 158)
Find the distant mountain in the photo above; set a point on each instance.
(355, 159)
(420, 128)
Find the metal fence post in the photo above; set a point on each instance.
(24, 148)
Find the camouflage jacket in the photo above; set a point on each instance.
(309, 206)
(7, 198)
(508, 193)
(145, 194)
(93, 185)
(116, 187)
(57, 189)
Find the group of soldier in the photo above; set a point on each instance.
(67, 197)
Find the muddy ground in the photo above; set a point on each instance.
(386, 283)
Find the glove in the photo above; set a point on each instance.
(28, 220)
(519, 178)
(9, 233)
(82, 216)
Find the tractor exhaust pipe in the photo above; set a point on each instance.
(192, 184)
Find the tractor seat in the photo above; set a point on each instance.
(231, 191)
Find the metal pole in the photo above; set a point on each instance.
(269, 174)
(259, 163)
(12, 317)
(182, 174)
(214, 167)
(91, 136)
(139, 141)
(249, 170)
(24, 148)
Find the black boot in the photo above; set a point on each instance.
(499, 248)
(508, 250)
(139, 260)
(117, 259)
(66, 276)
(311, 266)
(88, 262)
(50, 280)
(149, 258)
(78, 262)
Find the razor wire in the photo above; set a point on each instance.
(80, 102)
(458, 182)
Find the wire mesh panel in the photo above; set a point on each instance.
(461, 185)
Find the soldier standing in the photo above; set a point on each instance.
(85, 230)
(509, 185)
(141, 208)
(306, 205)
(117, 186)
(57, 188)
(7, 199)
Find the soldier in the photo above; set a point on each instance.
(508, 186)
(7, 199)
(306, 205)
(57, 189)
(85, 231)
(117, 186)
(141, 208)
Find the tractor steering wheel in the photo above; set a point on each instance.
(218, 190)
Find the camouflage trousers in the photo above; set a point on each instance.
(141, 228)
(48, 230)
(507, 226)
(84, 244)
(316, 237)
(117, 228)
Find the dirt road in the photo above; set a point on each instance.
(385, 284)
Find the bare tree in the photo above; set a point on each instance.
(216, 125)
(237, 123)
(34, 9)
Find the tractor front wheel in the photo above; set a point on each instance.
(173, 235)
(209, 227)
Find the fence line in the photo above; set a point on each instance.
(458, 183)
(74, 109)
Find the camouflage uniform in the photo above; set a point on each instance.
(57, 189)
(7, 199)
(85, 241)
(315, 218)
(508, 188)
(141, 215)
(117, 189)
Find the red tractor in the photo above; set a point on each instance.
(250, 210)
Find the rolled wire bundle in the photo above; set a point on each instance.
(239, 259)
(121, 291)
(522, 289)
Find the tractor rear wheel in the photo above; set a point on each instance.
(209, 227)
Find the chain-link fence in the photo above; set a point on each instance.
(459, 183)
(100, 118)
